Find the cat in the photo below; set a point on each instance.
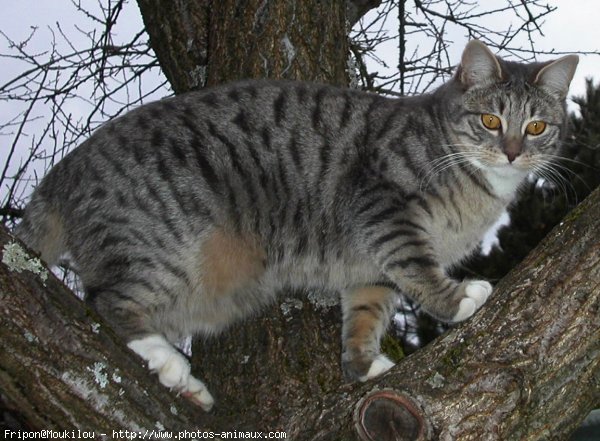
(192, 212)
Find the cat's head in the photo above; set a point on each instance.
(509, 115)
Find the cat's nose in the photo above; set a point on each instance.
(512, 155)
(512, 148)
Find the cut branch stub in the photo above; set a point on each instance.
(389, 415)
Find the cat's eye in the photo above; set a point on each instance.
(491, 122)
(535, 128)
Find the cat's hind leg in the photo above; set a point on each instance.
(173, 368)
(215, 283)
(366, 314)
(131, 310)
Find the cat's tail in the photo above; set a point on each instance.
(42, 229)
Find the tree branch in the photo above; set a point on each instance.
(526, 367)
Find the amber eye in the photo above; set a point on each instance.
(491, 122)
(535, 128)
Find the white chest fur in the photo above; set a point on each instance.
(505, 181)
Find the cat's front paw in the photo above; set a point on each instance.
(476, 293)
(175, 374)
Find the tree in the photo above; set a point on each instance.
(301, 384)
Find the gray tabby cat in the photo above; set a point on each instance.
(192, 212)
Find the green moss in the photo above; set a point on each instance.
(452, 358)
(392, 347)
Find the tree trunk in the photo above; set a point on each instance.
(303, 40)
(178, 31)
(209, 42)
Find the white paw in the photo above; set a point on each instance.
(466, 309)
(477, 292)
(199, 394)
(173, 369)
(379, 366)
(154, 349)
(174, 372)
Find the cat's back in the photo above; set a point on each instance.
(250, 114)
(245, 142)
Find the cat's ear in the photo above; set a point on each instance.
(478, 65)
(555, 77)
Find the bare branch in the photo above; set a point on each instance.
(422, 38)
(82, 67)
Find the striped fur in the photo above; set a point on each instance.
(192, 212)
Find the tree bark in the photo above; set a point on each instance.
(209, 42)
(278, 39)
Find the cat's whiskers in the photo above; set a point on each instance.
(549, 177)
(439, 165)
(551, 172)
(557, 160)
